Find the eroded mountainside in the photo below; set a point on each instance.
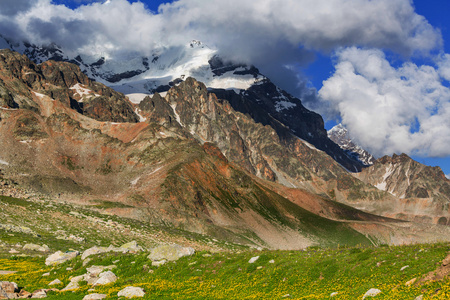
(245, 88)
(193, 162)
(423, 191)
(21, 81)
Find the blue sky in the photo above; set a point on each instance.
(380, 67)
(436, 12)
(151, 4)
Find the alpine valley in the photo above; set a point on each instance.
(184, 139)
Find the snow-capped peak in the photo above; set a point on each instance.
(195, 43)
(130, 73)
(170, 64)
(340, 135)
(339, 129)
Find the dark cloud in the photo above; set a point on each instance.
(13, 7)
(71, 34)
(246, 29)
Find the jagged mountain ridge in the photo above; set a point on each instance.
(243, 86)
(165, 173)
(340, 135)
(245, 89)
(423, 191)
(22, 80)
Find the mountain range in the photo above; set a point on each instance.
(205, 145)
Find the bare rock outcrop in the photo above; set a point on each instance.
(170, 252)
(60, 257)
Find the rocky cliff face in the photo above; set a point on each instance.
(21, 81)
(269, 105)
(270, 152)
(195, 163)
(423, 191)
(243, 86)
(266, 149)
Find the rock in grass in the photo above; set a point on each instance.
(3, 272)
(411, 282)
(253, 259)
(446, 261)
(41, 293)
(73, 284)
(34, 247)
(93, 273)
(158, 263)
(333, 294)
(86, 261)
(96, 270)
(9, 287)
(131, 291)
(60, 257)
(95, 297)
(132, 247)
(24, 294)
(55, 282)
(371, 293)
(170, 252)
(105, 278)
(420, 297)
(92, 251)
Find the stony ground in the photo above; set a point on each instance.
(176, 272)
(63, 226)
(63, 251)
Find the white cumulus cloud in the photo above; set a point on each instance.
(443, 63)
(387, 109)
(267, 33)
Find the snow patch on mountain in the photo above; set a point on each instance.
(382, 185)
(41, 96)
(282, 105)
(82, 91)
(2, 162)
(137, 98)
(177, 116)
(141, 118)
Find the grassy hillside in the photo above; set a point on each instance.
(218, 270)
(309, 274)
